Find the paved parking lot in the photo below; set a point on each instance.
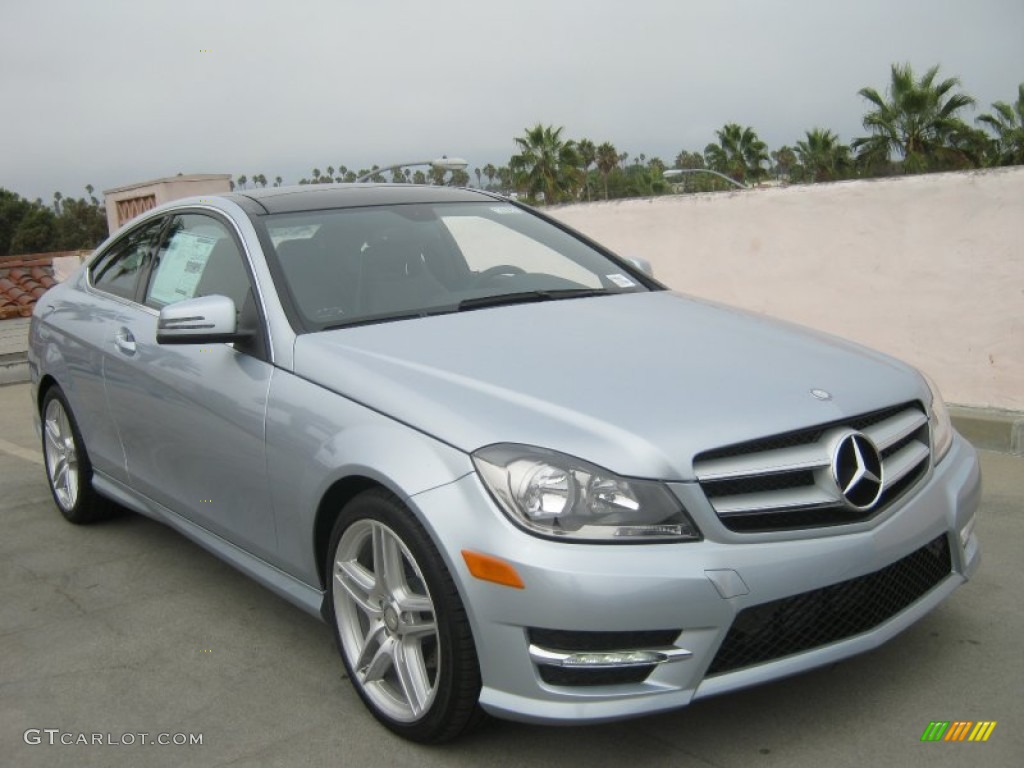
(127, 628)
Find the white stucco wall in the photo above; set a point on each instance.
(927, 268)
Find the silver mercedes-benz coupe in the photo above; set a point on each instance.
(514, 473)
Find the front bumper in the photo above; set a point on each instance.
(697, 588)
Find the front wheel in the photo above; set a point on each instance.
(400, 625)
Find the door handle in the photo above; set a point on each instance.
(125, 341)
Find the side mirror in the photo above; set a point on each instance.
(205, 320)
(642, 264)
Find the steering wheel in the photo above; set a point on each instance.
(499, 270)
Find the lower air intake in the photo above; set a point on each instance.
(799, 623)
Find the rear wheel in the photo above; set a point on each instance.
(67, 464)
(400, 625)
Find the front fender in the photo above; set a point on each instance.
(317, 438)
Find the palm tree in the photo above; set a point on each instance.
(546, 165)
(739, 153)
(823, 156)
(277, 181)
(786, 164)
(588, 154)
(479, 176)
(490, 172)
(1008, 125)
(241, 180)
(689, 160)
(917, 121)
(607, 158)
(505, 178)
(57, 197)
(436, 175)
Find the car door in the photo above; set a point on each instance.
(78, 331)
(191, 417)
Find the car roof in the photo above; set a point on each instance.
(315, 197)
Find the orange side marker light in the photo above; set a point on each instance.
(489, 568)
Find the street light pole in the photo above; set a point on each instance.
(441, 163)
(673, 172)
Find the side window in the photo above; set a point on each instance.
(198, 257)
(117, 271)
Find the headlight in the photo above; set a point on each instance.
(551, 494)
(942, 427)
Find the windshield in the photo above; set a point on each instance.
(359, 265)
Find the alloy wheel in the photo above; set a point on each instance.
(386, 620)
(61, 454)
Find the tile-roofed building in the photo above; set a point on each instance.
(23, 279)
(125, 203)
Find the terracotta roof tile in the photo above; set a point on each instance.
(23, 279)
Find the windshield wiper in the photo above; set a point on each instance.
(525, 297)
(387, 318)
(522, 297)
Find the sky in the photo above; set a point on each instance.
(110, 93)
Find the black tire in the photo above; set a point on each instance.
(421, 683)
(68, 469)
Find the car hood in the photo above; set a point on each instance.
(638, 383)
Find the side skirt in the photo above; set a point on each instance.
(308, 598)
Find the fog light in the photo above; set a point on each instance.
(640, 657)
(613, 659)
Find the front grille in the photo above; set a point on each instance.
(785, 482)
(799, 623)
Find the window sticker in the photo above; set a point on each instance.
(621, 280)
(504, 209)
(181, 267)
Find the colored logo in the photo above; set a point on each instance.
(958, 730)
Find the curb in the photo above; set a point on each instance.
(13, 369)
(990, 429)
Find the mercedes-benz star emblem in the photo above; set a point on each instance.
(857, 470)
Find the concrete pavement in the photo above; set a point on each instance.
(126, 628)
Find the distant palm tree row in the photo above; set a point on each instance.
(916, 126)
